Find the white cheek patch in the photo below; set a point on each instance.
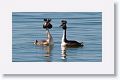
(44, 24)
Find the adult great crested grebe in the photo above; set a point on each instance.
(49, 41)
(65, 42)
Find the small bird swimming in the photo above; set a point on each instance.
(65, 42)
(49, 41)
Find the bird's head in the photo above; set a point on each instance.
(63, 24)
(47, 24)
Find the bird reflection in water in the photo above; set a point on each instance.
(64, 53)
(47, 54)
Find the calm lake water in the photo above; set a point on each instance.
(84, 27)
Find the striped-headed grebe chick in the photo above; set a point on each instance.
(65, 42)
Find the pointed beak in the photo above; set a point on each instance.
(60, 26)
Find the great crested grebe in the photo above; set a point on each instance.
(49, 41)
(65, 42)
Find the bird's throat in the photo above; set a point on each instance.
(64, 39)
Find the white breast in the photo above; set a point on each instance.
(63, 43)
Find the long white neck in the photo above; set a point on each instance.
(64, 36)
(49, 36)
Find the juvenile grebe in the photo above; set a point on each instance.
(49, 41)
(65, 42)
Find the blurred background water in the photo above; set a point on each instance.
(84, 27)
